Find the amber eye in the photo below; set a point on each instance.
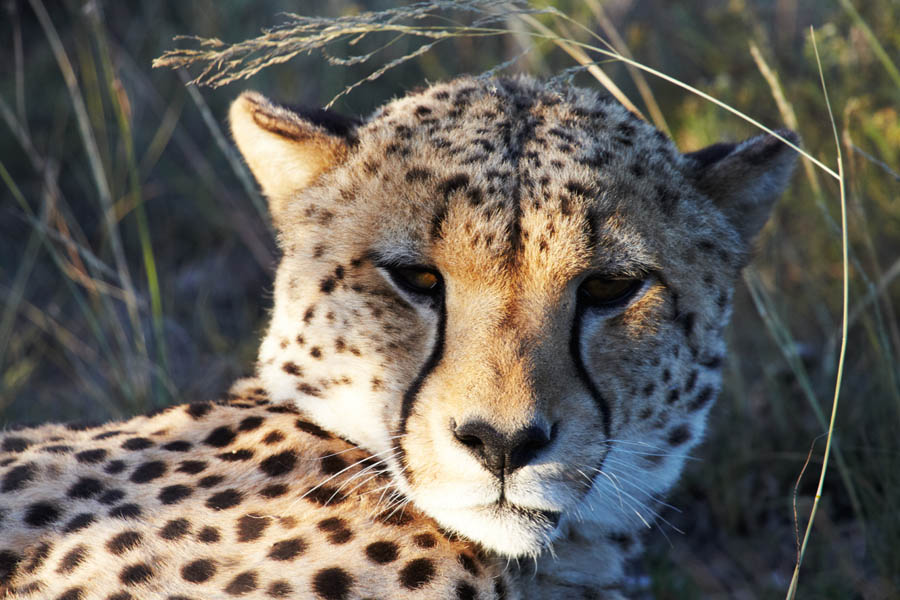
(607, 291)
(417, 280)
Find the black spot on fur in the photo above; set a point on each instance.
(713, 363)
(327, 285)
(701, 399)
(225, 499)
(174, 493)
(597, 160)
(573, 187)
(338, 533)
(198, 410)
(57, 449)
(177, 446)
(191, 467)
(274, 491)
(111, 497)
(417, 174)
(198, 571)
(324, 495)
(279, 589)
(78, 522)
(273, 437)
(209, 535)
(219, 437)
(91, 456)
(41, 514)
(114, 466)
(292, 368)
(309, 390)
(9, 561)
(287, 549)
(691, 381)
(242, 584)
(332, 464)
(210, 481)
(149, 471)
(679, 435)
(424, 540)
(85, 487)
(75, 593)
(15, 444)
(236, 455)
(332, 584)
(123, 542)
(688, 320)
(397, 518)
(465, 591)
(251, 527)
(452, 184)
(312, 429)
(72, 559)
(17, 477)
(417, 573)
(175, 529)
(382, 552)
(136, 443)
(279, 464)
(468, 563)
(250, 423)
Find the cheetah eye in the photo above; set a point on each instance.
(417, 280)
(608, 292)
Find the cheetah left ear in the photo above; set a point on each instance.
(287, 148)
(745, 179)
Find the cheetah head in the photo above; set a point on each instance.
(512, 295)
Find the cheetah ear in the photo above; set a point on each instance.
(745, 179)
(287, 149)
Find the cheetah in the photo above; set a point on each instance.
(497, 332)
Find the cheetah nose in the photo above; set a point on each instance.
(501, 454)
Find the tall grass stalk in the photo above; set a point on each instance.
(845, 306)
(100, 179)
(122, 109)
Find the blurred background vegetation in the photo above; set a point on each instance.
(136, 257)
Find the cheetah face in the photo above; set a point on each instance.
(513, 296)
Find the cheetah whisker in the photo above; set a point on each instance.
(327, 479)
(351, 449)
(362, 472)
(634, 482)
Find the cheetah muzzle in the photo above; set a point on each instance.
(511, 295)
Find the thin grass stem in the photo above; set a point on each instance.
(792, 590)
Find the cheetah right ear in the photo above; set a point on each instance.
(287, 149)
(745, 179)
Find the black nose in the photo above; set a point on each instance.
(501, 454)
